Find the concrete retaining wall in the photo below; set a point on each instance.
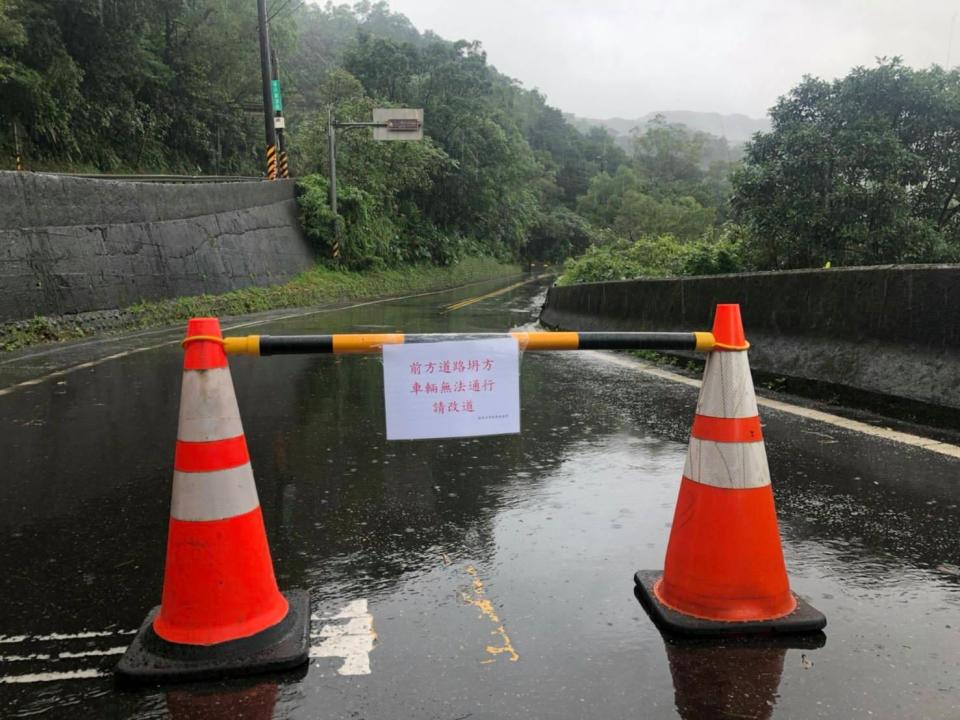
(893, 330)
(75, 245)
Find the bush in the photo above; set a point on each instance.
(370, 236)
(366, 234)
(559, 234)
(717, 251)
(316, 218)
(662, 256)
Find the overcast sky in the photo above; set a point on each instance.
(607, 58)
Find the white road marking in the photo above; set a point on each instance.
(357, 608)
(896, 436)
(353, 641)
(94, 653)
(65, 655)
(84, 635)
(53, 676)
(356, 626)
(23, 658)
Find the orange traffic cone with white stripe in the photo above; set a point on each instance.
(221, 612)
(724, 571)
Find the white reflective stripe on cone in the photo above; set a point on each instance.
(727, 390)
(208, 406)
(213, 495)
(727, 465)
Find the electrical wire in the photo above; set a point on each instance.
(289, 11)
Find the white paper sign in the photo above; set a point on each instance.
(456, 388)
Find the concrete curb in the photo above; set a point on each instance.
(890, 330)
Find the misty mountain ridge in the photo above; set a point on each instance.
(735, 128)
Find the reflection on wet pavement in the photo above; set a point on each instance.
(450, 542)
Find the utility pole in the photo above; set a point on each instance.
(332, 139)
(283, 169)
(268, 121)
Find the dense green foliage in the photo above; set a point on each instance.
(497, 169)
(865, 169)
(859, 171)
(671, 186)
(662, 213)
(129, 85)
(719, 251)
(174, 85)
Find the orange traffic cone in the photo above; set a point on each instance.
(221, 612)
(724, 571)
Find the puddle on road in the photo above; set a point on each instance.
(554, 522)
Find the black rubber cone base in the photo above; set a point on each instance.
(805, 619)
(151, 659)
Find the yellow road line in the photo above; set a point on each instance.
(483, 604)
(471, 301)
(227, 327)
(495, 293)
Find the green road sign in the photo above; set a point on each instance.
(277, 100)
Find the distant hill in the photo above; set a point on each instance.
(736, 128)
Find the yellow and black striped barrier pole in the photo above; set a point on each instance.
(271, 162)
(284, 167)
(373, 343)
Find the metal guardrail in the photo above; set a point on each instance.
(180, 179)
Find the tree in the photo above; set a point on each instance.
(174, 85)
(862, 170)
(560, 234)
(494, 184)
(151, 84)
(668, 153)
(39, 80)
(678, 162)
(12, 36)
(633, 206)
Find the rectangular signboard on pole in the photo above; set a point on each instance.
(398, 124)
(277, 100)
(452, 389)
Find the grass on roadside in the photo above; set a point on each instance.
(317, 286)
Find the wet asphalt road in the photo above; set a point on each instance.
(547, 526)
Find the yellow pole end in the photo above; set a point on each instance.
(705, 341)
(547, 340)
(247, 345)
